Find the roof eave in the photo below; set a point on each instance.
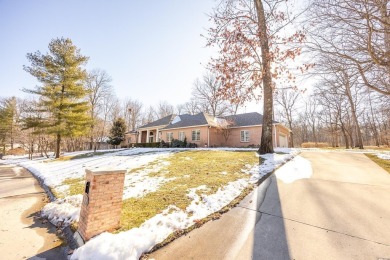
(192, 126)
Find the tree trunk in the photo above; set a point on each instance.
(91, 143)
(58, 146)
(374, 128)
(291, 133)
(351, 138)
(266, 145)
(354, 116)
(345, 138)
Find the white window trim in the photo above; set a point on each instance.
(183, 135)
(169, 137)
(247, 136)
(195, 140)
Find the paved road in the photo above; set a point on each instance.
(22, 236)
(341, 212)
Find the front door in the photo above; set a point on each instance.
(143, 137)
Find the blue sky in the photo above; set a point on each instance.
(152, 49)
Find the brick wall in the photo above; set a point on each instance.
(101, 208)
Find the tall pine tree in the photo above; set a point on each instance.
(7, 122)
(62, 94)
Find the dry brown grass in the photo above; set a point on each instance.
(385, 164)
(190, 169)
(314, 145)
(16, 151)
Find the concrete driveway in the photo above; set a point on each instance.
(22, 235)
(341, 212)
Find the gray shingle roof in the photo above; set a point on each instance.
(162, 121)
(246, 119)
(189, 120)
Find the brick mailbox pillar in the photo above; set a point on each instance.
(102, 202)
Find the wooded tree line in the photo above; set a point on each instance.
(339, 118)
(74, 109)
(347, 54)
(349, 44)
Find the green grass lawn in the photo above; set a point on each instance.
(385, 164)
(190, 169)
(187, 169)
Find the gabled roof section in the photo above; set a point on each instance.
(131, 132)
(162, 121)
(188, 120)
(247, 119)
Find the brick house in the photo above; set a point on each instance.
(240, 130)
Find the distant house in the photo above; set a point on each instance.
(241, 130)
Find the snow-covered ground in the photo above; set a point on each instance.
(133, 243)
(384, 156)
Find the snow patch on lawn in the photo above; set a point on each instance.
(133, 243)
(138, 186)
(384, 156)
(63, 211)
(55, 172)
(296, 169)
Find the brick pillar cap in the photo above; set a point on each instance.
(101, 171)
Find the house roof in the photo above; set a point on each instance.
(246, 119)
(188, 120)
(131, 132)
(162, 121)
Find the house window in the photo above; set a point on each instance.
(195, 135)
(181, 136)
(129, 140)
(245, 136)
(169, 137)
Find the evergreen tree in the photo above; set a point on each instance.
(62, 93)
(8, 122)
(117, 132)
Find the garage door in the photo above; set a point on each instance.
(283, 141)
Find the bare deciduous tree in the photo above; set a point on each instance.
(192, 107)
(98, 86)
(254, 40)
(133, 113)
(287, 99)
(359, 33)
(164, 109)
(206, 92)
